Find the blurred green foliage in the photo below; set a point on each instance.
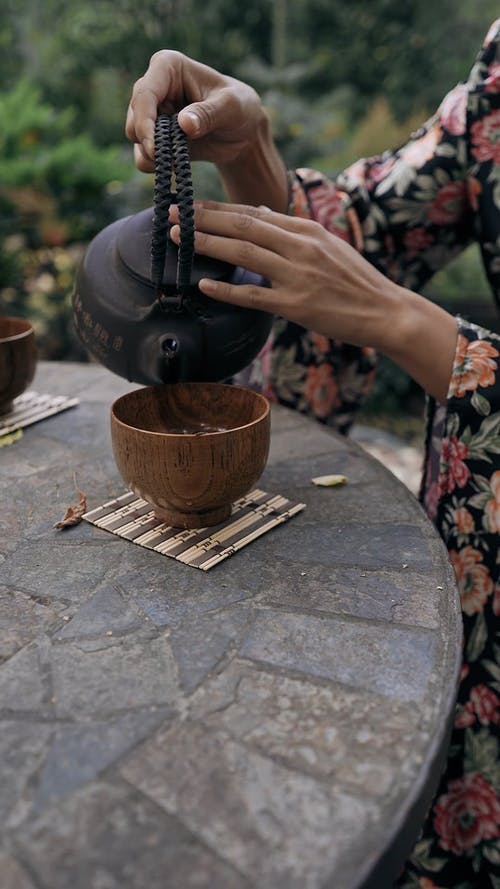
(341, 80)
(57, 188)
(42, 151)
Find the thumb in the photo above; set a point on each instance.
(201, 118)
(198, 119)
(191, 120)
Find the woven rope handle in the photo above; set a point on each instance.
(172, 158)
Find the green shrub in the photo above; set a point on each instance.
(57, 189)
(63, 172)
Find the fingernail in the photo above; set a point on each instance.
(195, 122)
(207, 285)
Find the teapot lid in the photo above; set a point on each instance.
(133, 245)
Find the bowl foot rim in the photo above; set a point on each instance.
(189, 520)
(6, 406)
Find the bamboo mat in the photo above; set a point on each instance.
(31, 407)
(130, 517)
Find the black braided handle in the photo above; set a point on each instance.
(172, 158)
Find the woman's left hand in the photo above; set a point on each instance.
(315, 279)
(321, 282)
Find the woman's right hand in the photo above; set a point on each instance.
(220, 115)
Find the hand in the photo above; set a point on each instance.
(321, 282)
(316, 279)
(220, 115)
(223, 119)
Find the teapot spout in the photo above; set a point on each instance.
(170, 364)
(167, 359)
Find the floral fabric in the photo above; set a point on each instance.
(410, 211)
(460, 843)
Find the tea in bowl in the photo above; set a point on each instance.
(191, 449)
(17, 359)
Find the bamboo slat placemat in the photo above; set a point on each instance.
(131, 517)
(30, 407)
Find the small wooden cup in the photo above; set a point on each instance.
(191, 449)
(17, 359)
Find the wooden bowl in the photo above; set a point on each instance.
(17, 359)
(191, 449)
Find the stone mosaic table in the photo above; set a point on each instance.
(276, 723)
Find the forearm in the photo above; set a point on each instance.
(258, 175)
(421, 338)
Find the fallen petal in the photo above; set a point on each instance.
(329, 481)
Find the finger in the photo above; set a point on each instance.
(247, 255)
(175, 83)
(280, 220)
(220, 207)
(143, 163)
(265, 229)
(249, 296)
(220, 108)
(144, 109)
(255, 227)
(157, 90)
(130, 124)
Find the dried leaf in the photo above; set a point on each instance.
(329, 481)
(73, 514)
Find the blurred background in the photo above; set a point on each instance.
(341, 80)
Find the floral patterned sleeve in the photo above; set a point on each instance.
(410, 211)
(420, 205)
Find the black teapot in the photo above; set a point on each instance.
(137, 307)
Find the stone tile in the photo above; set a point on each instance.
(199, 644)
(79, 752)
(22, 684)
(23, 748)
(126, 675)
(23, 617)
(106, 390)
(286, 446)
(283, 476)
(13, 875)
(395, 596)
(89, 422)
(385, 547)
(218, 691)
(274, 825)
(106, 611)
(71, 574)
(21, 512)
(397, 662)
(51, 482)
(356, 739)
(359, 502)
(170, 593)
(19, 463)
(91, 381)
(108, 836)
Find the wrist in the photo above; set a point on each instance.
(257, 175)
(421, 338)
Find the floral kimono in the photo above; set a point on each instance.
(410, 211)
